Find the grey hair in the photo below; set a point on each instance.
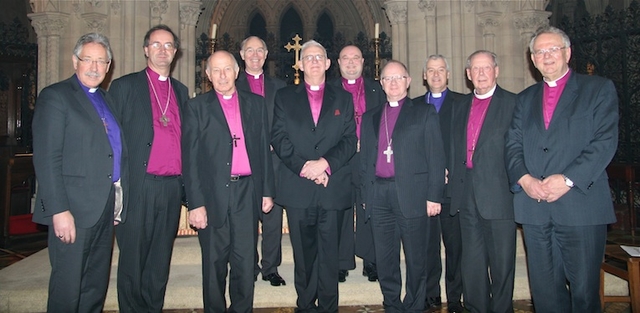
(493, 56)
(436, 57)
(550, 30)
(244, 42)
(404, 67)
(311, 43)
(93, 38)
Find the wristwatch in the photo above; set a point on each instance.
(568, 181)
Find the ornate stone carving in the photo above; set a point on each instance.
(38, 6)
(489, 20)
(189, 13)
(158, 8)
(95, 21)
(116, 7)
(49, 24)
(397, 12)
(528, 21)
(427, 6)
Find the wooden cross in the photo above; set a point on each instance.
(296, 47)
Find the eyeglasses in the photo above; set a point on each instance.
(89, 62)
(166, 45)
(311, 57)
(551, 51)
(388, 79)
(252, 51)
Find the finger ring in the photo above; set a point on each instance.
(60, 236)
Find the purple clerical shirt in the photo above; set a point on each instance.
(165, 158)
(110, 126)
(436, 98)
(479, 108)
(239, 157)
(552, 92)
(388, 120)
(256, 83)
(356, 88)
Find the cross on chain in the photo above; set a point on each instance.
(388, 153)
(235, 140)
(164, 119)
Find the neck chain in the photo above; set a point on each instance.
(388, 152)
(163, 119)
(475, 129)
(356, 103)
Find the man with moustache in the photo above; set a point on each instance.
(480, 188)
(314, 134)
(148, 107)
(254, 53)
(402, 168)
(366, 94)
(563, 135)
(80, 164)
(228, 179)
(447, 225)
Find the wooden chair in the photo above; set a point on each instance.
(619, 263)
(622, 179)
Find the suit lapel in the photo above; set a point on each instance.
(85, 103)
(142, 89)
(567, 99)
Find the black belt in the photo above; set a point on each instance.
(162, 176)
(238, 177)
(387, 179)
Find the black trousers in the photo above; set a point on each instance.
(146, 242)
(80, 271)
(446, 227)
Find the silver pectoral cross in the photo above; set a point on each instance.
(235, 140)
(388, 153)
(164, 120)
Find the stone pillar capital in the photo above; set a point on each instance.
(396, 11)
(189, 13)
(95, 21)
(157, 8)
(49, 23)
(489, 21)
(428, 7)
(529, 21)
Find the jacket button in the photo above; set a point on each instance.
(110, 176)
(313, 129)
(317, 148)
(148, 144)
(144, 163)
(110, 155)
(545, 150)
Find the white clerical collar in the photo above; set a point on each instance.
(162, 78)
(314, 88)
(486, 95)
(227, 97)
(92, 90)
(394, 104)
(554, 83)
(351, 81)
(436, 94)
(255, 76)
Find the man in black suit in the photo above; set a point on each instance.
(447, 225)
(148, 106)
(314, 134)
(403, 174)
(81, 168)
(563, 135)
(228, 179)
(479, 188)
(254, 53)
(366, 94)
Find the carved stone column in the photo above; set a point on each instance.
(527, 22)
(189, 13)
(48, 27)
(397, 13)
(157, 9)
(489, 21)
(428, 7)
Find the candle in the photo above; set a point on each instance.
(377, 32)
(214, 29)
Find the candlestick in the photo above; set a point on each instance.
(214, 30)
(377, 32)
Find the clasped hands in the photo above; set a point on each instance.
(549, 189)
(316, 171)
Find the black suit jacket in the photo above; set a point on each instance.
(374, 97)
(72, 156)
(580, 142)
(296, 139)
(489, 178)
(445, 116)
(418, 154)
(133, 110)
(207, 152)
(271, 85)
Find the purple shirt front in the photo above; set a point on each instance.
(256, 83)
(110, 126)
(479, 108)
(388, 121)
(552, 92)
(239, 157)
(356, 88)
(315, 95)
(165, 158)
(437, 99)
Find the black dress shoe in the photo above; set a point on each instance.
(274, 279)
(370, 271)
(342, 275)
(455, 307)
(433, 303)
